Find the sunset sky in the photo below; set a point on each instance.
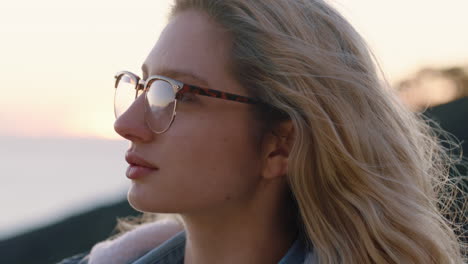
(58, 58)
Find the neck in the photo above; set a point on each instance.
(260, 230)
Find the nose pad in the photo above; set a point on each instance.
(131, 124)
(139, 93)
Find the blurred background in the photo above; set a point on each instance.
(62, 165)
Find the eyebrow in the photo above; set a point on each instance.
(175, 74)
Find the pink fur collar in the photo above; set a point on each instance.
(133, 244)
(137, 242)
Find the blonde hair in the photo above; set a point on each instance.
(367, 174)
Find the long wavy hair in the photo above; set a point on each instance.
(367, 175)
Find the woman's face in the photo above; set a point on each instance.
(209, 157)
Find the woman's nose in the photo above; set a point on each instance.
(131, 124)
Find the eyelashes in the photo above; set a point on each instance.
(186, 97)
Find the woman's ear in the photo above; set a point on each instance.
(277, 145)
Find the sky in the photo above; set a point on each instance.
(58, 57)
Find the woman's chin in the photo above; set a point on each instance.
(138, 200)
(144, 202)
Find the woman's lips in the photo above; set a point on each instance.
(134, 159)
(137, 172)
(138, 166)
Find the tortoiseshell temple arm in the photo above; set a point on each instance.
(216, 94)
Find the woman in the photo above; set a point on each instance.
(286, 147)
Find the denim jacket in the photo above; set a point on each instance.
(172, 252)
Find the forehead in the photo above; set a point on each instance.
(191, 43)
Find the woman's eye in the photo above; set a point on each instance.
(185, 97)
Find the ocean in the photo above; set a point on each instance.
(44, 180)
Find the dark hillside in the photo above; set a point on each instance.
(73, 235)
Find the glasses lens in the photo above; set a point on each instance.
(124, 94)
(161, 103)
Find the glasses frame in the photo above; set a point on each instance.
(179, 89)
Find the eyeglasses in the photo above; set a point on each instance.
(161, 95)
